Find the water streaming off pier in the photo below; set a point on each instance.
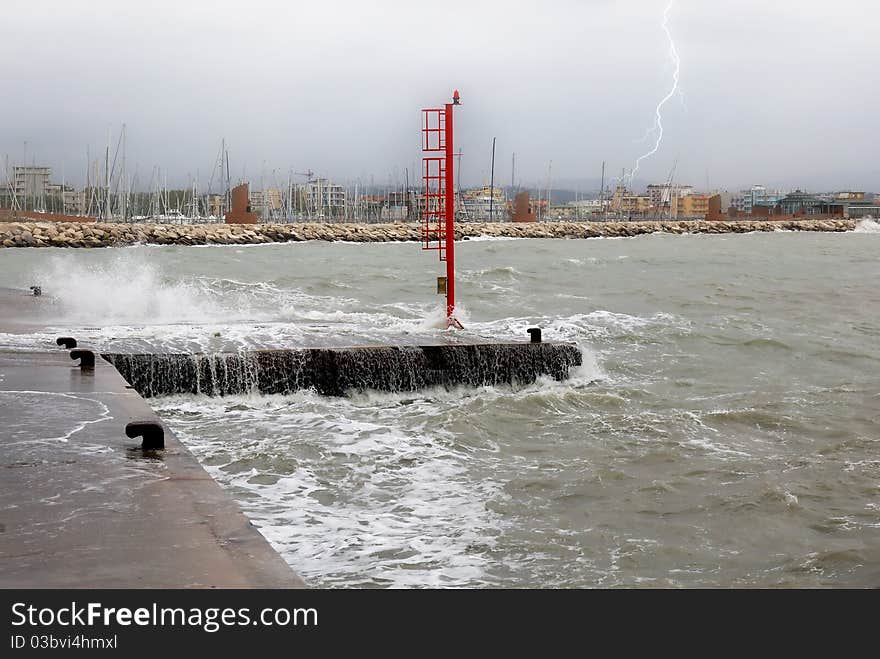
(724, 429)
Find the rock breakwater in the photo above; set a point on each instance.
(64, 234)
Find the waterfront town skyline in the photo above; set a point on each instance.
(112, 195)
(91, 169)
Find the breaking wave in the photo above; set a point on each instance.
(867, 225)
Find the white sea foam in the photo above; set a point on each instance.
(867, 225)
(127, 290)
(630, 322)
(391, 503)
(372, 479)
(505, 271)
(374, 487)
(484, 239)
(714, 447)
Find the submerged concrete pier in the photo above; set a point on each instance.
(335, 371)
(83, 505)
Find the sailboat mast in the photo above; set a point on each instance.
(228, 192)
(88, 179)
(123, 209)
(492, 185)
(107, 179)
(513, 172)
(24, 170)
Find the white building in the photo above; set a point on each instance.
(757, 195)
(325, 199)
(31, 181)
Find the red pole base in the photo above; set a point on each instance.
(451, 320)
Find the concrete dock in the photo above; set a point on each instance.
(82, 505)
(95, 492)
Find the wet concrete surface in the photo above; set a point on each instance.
(83, 506)
(22, 311)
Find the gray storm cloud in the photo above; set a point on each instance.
(781, 93)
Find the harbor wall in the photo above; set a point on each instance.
(52, 234)
(335, 371)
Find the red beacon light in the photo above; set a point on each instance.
(456, 99)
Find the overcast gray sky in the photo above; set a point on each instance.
(780, 92)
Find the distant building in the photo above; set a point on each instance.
(325, 200)
(265, 202)
(691, 205)
(394, 207)
(720, 207)
(585, 208)
(798, 202)
(521, 210)
(370, 207)
(795, 205)
(485, 203)
(6, 195)
(215, 204)
(860, 210)
(757, 195)
(241, 211)
(857, 205)
(31, 181)
(661, 195)
(626, 202)
(74, 202)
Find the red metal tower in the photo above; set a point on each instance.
(438, 232)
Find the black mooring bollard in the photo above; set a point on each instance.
(152, 432)
(38, 291)
(535, 333)
(86, 357)
(66, 341)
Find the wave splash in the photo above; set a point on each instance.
(867, 225)
(124, 291)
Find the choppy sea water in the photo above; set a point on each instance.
(723, 431)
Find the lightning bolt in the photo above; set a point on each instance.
(658, 116)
